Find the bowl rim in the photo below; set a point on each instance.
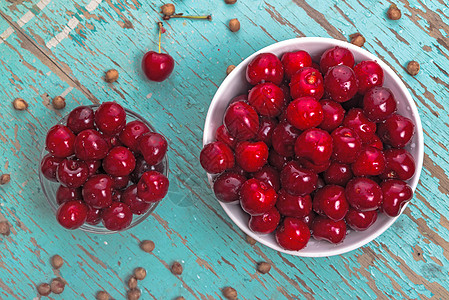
(331, 43)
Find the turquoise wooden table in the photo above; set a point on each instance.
(55, 47)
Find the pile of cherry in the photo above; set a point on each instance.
(306, 155)
(108, 169)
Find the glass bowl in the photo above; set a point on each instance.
(50, 187)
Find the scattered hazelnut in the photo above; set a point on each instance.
(180, 298)
(44, 289)
(140, 273)
(357, 39)
(264, 267)
(4, 228)
(413, 68)
(132, 282)
(57, 261)
(147, 246)
(111, 76)
(230, 1)
(229, 293)
(250, 240)
(133, 294)
(393, 12)
(4, 179)
(20, 104)
(102, 295)
(234, 25)
(58, 102)
(168, 9)
(176, 268)
(229, 69)
(57, 286)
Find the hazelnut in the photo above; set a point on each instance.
(44, 289)
(102, 295)
(230, 1)
(132, 282)
(168, 9)
(357, 39)
(57, 286)
(111, 76)
(20, 104)
(229, 293)
(250, 240)
(393, 12)
(58, 102)
(4, 179)
(140, 273)
(147, 246)
(4, 228)
(229, 69)
(264, 267)
(133, 294)
(57, 261)
(176, 268)
(234, 25)
(413, 68)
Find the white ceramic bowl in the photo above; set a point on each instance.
(236, 84)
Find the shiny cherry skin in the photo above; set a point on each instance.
(369, 74)
(90, 145)
(142, 166)
(60, 141)
(297, 180)
(49, 165)
(369, 162)
(295, 61)
(112, 141)
(328, 230)
(153, 147)
(137, 205)
(307, 82)
(317, 168)
(256, 197)
(93, 166)
(131, 133)
(330, 201)
(265, 67)
(333, 115)
(396, 131)
(277, 161)
(268, 175)
(341, 84)
(293, 234)
(120, 161)
(116, 195)
(266, 128)
(227, 186)
(81, 118)
(315, 145)
(400, 164)
(265, 223)
(267, 99)
(72, 173)
(305, 113)
(376, 143)
(97, 191)
(222, 135)
(120, 182)
(241, 121)
(336, 56)
(378, 104)
(293, 206)
(360, 220)
(363, 194)
(66, 194)
(216, 157)
(93, 216)
(72, 214)
(396, 193)
(251, 156)
(357, 121)
(117, 217)
(346, 145)
(110, 118)
(308, 220)
(152, 186)
(157, 66)
(283, 139)
(338, 173)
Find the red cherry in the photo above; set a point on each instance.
(157, 66)
(66, 194)
(376, 143)
(137, 205)
(119, 162)
(286, 89)
(60, 141)
(153, 147)
(336, 56)
(112, 141)
(93, 216)
(293, 234)
(278, 161)
(338, 173)
(346, 145)
(227, 186)
(283, 139)
(305, 113)
(216, 157)
(360, 220)
(256, 197)
(369, 162)
(333, 115)
(224, 136)
(265, 67)
(267, 99)
(120, 182)
(81, 118)
(152, 187)
(294, 206)
(142, 166)
(399, 164)
(97, 191)
(295, 61)
(363, 194)
(341, 84)
(241, 121)
(330, 201)
(379, 104)
(354, 102)
(396, 131)
(266, 128)
(132, 132)
(237, 169)
(326, 229)
(298, 181)
(305, 163)
(307, 82)
(72, 214)
(93, 166)
(72, 173)
(357, 121)
(117, 217)
(110, 118)
(116, 195)
(49, 165)
(270, 176)
(315, 145)
(396, 193)
(90, 145)
(308, 220)
(369, 74)
(265, 223)
(251, 156)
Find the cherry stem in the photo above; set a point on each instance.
(160, 34)
(208, 17)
